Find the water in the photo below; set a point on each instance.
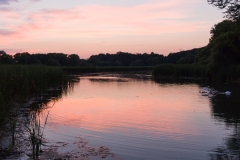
(140, 119)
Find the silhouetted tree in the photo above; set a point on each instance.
(5, 58)
(52, 62)
(23, 58)
(60, 57)
(182, 57)
(232, 8)
(73, 59)
(137, 62)
(223, 49)
(222, 27)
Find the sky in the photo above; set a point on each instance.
(90, 27)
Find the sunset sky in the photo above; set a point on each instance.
(87, 27)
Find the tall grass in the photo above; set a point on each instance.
(18, 82)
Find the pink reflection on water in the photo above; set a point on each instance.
(131, 104)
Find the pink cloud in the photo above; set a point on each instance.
(89, 25)
(4, 32)
(7, 13)
(107, 20)
(55, 15)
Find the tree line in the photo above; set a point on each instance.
(50, 59)
(145, 59)
(220, 59)
(223, 49)
(107, 59)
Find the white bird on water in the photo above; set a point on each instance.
(210, 92)
(228, 93)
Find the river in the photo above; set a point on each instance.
(141, 119)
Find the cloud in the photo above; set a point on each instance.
(99, 20)
(153, 22)
(4, 32)
(5, 9)
(92, 19)
(63, 14)
(7, 1)
(8, 13)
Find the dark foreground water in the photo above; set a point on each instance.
(145, 120)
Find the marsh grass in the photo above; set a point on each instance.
(17, 84)
(35, 130)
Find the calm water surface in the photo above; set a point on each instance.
(144, 120)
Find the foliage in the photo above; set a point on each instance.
(126, 59)
(5, 58)
(182, 57)
(221, 28)
(118, 59)
(52, 62)
(226, 50)
(181, 71)
(203, 55)
(232, 8)
(222, 54)
(153, 59)
(52, 59)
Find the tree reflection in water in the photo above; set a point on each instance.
(226, 109)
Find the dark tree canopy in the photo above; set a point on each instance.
(152, 59)
(223, 49)
(222, 27)
(107, 59)
(5, 58)
(232, 8)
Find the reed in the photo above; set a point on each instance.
(35, 130)
(19, 82)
